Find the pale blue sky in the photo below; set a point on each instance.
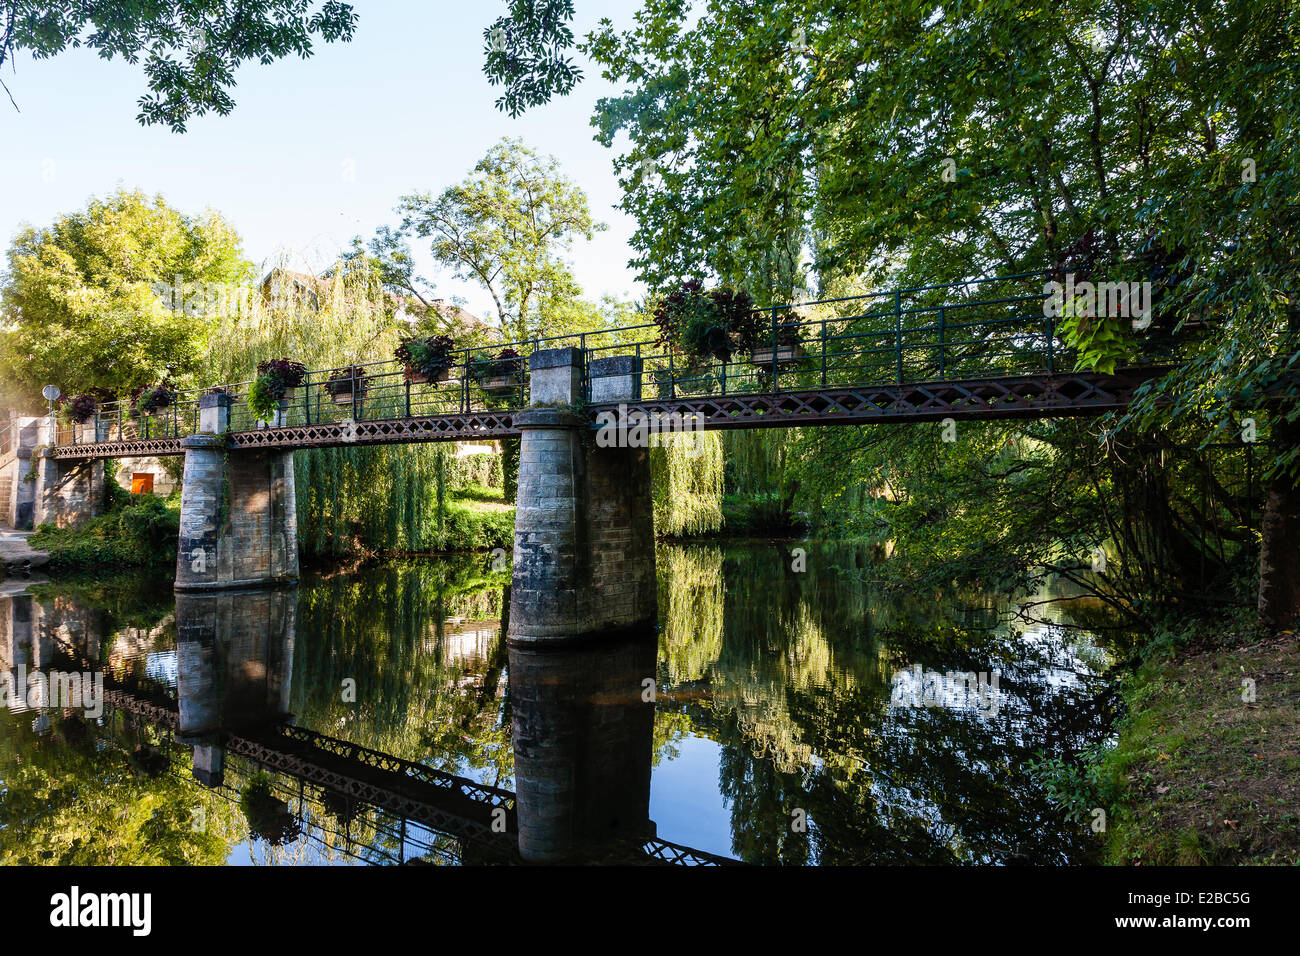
(405, 104)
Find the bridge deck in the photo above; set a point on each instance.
(1004, 397)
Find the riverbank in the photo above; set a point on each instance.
(17, 555)
(142, 533)
(1206, 768)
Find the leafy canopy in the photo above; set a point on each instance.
(525, 53)
(900, 142)
(81, 298)
(190, 48)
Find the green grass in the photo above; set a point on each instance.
(1203, 776)
(481, 493)
(470, 526)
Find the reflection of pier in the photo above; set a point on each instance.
(453, 805)
(583, 740)
(584, 767)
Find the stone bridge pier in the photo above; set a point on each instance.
(37, 488)
(582, 616)
(234, 664)
(584, 560)
(239, 525)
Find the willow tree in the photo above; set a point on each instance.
(686, 475)
(357, 498)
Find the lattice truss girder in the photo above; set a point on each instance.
(1028, 396)
(1038, 396)
(388, 431)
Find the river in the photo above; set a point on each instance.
(787, 711)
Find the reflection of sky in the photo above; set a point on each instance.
(1042, 668)
(161, 666)
(685, 803)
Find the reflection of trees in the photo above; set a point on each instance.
(110, 792)
(417, 696)
(690, 609)
(799, 696)
(422, 693)
(73, 797)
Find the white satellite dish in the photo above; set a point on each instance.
(51, 392)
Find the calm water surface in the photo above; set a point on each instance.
(378, 716)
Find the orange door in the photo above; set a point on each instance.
(142, 483)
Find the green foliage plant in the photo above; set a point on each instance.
(428, 357)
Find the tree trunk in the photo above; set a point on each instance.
(1279, 553)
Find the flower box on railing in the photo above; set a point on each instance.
(347, 384)
(500, 374)
(781, 355)
(426, 360)
(502, 384)
(421, 378)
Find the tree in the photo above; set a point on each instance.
(190, 48)
(525, 53)
(117, 296)
(387, 258)
(900, 142)
(505, 227)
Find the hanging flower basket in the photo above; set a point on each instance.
(81, 409)
(500, 375)
(705, 325)
(788, 348)
(281, 376)
(348, 384)
(427, 360)
(151, 401)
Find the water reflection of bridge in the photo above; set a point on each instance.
(584, 782)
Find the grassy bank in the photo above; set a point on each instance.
(1205, 768)
(478, 519)
(1204, 774)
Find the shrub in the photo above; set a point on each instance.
(672, 309)
(142, 533)
(1077, 786)
(150, 529)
